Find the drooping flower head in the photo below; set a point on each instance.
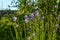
(54, 31)
(53, 13)
(40, 18)
(17, 25)
(27, 30)
(26, 17)
(26, 20)
(14, 18)
(29, 3)
(31, 15)
(57, 25)
(34, 34)
(56, 6)
(36, 12)
(59, 17)
(28, 38)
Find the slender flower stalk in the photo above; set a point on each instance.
(26, 17)
(42, 32)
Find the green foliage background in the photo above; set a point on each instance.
(44, 29)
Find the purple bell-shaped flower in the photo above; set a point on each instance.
(31, 15)
(36, 12)
(26, 19)
(14, 18)
(29, 3)
(56, 6)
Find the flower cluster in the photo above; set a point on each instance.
(26, 18)
(32, 15)
(36, 12)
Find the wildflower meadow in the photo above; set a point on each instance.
(34, 20)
